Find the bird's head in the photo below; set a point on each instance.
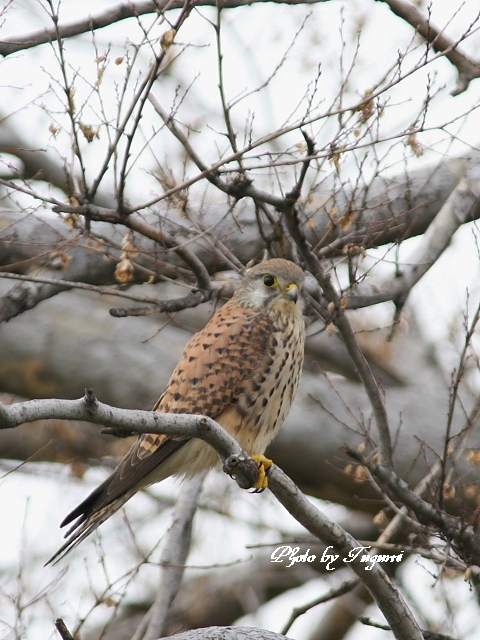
(274, 284)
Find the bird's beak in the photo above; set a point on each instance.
(291, 291)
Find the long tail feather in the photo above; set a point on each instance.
(84, 527)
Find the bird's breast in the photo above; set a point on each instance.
(267, 397)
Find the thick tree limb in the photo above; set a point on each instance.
(236, 463)
(120, 422)
(228, 633)
(89, 409)
(174, 555)
(387, 215)
(383, 590)
(461, 206)
(121, 11)
(467, 68)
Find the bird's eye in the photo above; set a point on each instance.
(269, 281)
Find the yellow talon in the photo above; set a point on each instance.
(264, 465)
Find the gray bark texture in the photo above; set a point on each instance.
(228, 633)
(378, 426)
(71, 342)
(57, 345)
(390, 210)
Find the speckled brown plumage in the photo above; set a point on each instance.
(242, 370)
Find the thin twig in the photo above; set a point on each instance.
(193, 299)
(466, 540)
(452, 401)
(69, 284)
(141, 98)
(337, 310)
(63, 630)
(232, 138)
(427, 635)
(70, 107)
(334, 592)
(236, 462)
(467, 68)
(462, 205)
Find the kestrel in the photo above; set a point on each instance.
(242, 370)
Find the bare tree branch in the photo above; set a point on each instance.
(427, 635)
(236, 463)
(467, 68)
(228, 633)
(69, 284)
(39, 163)
(121, 421)
(461, 206)
(337, 313)
(467, 542)
(174, 555)
(334, 592)
(121, 11)
(388, 598)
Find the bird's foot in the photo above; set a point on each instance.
(263, 465)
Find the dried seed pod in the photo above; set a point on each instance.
(125, 271)
(167, 39)
(361, 474)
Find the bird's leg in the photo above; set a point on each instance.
(263, 465)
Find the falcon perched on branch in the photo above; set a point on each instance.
(242, 370)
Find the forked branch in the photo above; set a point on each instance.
(441, 42)
(237, 462)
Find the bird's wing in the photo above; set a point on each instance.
(216, 365)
